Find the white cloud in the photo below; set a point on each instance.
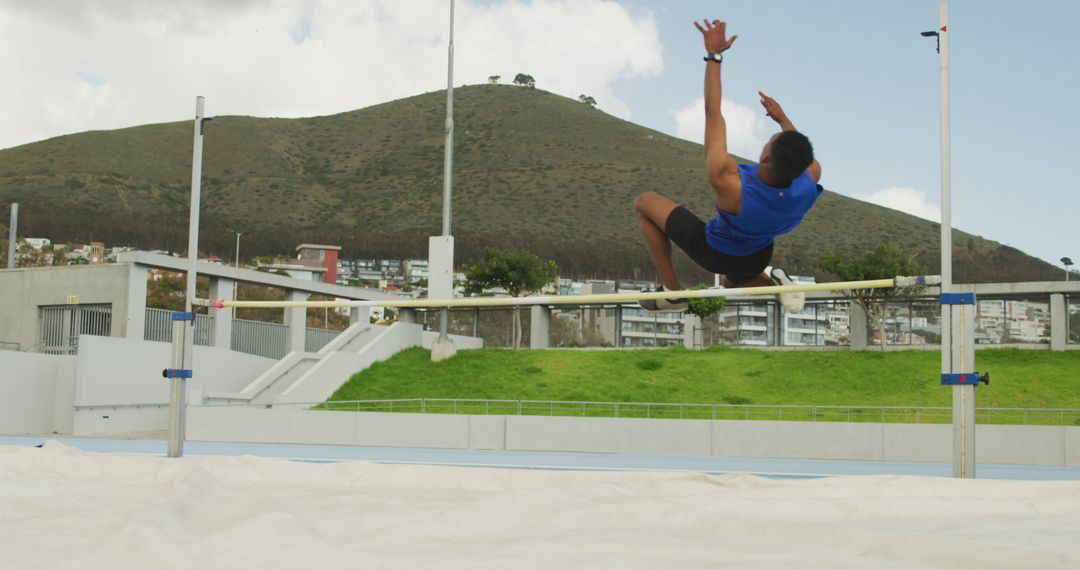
(78, 66)
(746, 128)
(909, 200)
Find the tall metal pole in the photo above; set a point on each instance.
(236, 262)
(448, 162)
(13, 230)
(183, 348)
(946, 198)
(954, 352)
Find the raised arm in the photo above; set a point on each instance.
(722, 170)
(776, 113)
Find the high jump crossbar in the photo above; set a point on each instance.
(918, 281)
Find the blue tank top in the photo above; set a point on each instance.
(766, 212)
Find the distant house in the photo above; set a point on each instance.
(96, 252)
(297, 271)
(324, 256)
(37, 243)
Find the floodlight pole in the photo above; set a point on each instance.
(448, 157)
(236, 262)
(13, 230)
(441, 248)
(448, 162)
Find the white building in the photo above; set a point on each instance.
(37, 243)
(415, 270)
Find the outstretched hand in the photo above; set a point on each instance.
(773, 109)
(715, 34)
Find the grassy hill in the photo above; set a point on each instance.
(532, 170)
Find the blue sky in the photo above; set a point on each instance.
(864, 85)
(854, 75)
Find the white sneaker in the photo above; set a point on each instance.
(665, 305)
(792, 302)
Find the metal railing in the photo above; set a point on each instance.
(652, 410)
(251, 337)
(316, 339)
(158, 327)
(259, 338)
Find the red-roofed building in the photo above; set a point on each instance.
(320, 256)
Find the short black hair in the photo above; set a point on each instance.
(792, 153)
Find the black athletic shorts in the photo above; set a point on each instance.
(688, 232)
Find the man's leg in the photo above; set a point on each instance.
(652, 212)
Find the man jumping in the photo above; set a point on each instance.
(754, 203)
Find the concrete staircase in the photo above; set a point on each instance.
(306, 377)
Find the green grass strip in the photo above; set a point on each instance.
(720, 375)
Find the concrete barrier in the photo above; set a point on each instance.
(36, 392)
(1018, 445)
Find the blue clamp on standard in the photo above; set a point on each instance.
(965, 379)
(176, 373)
(958, 298)
(182, 316)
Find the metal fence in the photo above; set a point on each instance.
(914, 322)
(59, 326)
(158, 327)
(259, 338)
(316, 339)
(871, 414)
(251, 337)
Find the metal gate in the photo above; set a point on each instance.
(59, 326)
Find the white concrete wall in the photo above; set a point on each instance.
(252, 424)
(614, 435)
(1020, 445)
(33, 391)
(427, 338)
(25, 290)
(119, 388)
(822, 440)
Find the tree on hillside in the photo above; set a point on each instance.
(525, 80)
(30, 256)
(166, 292)
(493, 79)
(515, 271)
(587, 100)
(886, 261)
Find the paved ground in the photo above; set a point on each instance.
(780, 468)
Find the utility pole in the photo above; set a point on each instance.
(12, 231)
(236, 262)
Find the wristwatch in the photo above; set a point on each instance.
(716, 56)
